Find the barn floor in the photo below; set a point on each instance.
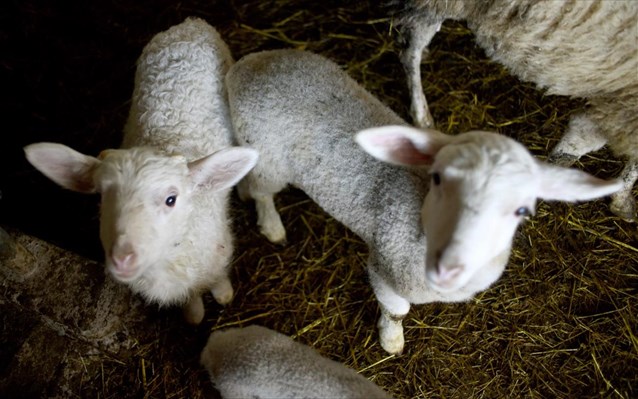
(561, 323)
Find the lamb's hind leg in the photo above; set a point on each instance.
(418, 34)
(268, 218)
(393, 310)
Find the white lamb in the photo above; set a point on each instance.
(255, 362)
(164, 224)
(584, 48)
(301, 112)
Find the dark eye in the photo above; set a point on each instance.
(170, 201)
(436, 178)
(523, 211)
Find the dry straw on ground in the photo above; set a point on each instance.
(561, 322)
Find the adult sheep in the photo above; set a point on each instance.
(163, 216)
(578, 48)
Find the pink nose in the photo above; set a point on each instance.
(445, 275)
(124, 260)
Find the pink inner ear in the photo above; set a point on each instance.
(403, 150)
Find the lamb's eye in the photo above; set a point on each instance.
(523, 211)
(170, 200)
(436, 178)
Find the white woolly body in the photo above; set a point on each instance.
(255, 362)
(301, 112)
(179, 102)
(582, 48)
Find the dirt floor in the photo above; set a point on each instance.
(561, 322)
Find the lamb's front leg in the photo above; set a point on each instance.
(222, 291)
(418, 35)
(193, 310)
(394, 308)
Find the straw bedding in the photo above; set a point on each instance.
(561, 322)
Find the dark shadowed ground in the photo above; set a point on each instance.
(562, 322)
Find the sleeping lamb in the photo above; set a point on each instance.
(255, 362)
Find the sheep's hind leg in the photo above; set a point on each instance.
(393, 310)
(623, 203)
(582, 137)
(193, 310)
(418, 34)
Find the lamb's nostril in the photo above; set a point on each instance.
(446, 274)
(124, 261)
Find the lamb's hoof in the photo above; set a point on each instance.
(424, 120)
(562, 159)
(393, 344)
(276, 234)
(282, 242)
(624, 207)
(194, 311)
(223, 293)
(391, 335)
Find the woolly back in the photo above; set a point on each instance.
(179, 102)
(257, 362)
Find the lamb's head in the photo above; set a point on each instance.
(146, 208)
(482, 186)
(146, 196)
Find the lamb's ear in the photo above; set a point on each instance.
(402, 145)
(567, 184)
(224, 168)
(65, 166)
